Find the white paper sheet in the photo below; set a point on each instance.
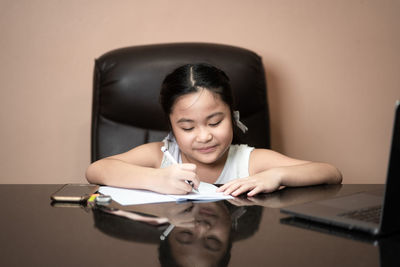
(207, 192)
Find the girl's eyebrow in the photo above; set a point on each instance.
(208, 117)
(184, 120)
(214, 114)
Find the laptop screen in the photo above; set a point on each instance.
(391, 215)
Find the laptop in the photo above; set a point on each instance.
(374, 212)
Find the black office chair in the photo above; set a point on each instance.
(127, 81)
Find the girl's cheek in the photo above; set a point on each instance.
(185, 137)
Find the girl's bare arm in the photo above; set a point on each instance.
(270, 170)
(139, 168)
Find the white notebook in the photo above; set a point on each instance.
(124, 196)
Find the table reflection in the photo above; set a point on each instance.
(198, 232)
(203, 233)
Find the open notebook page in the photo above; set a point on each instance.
(124, 196)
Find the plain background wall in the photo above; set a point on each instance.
(332, 72)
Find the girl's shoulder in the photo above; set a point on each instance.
(240, 150)
(263, 152)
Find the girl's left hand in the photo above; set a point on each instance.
(253, 185)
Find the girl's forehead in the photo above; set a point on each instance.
(201, 100)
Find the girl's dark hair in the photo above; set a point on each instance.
(191, 78)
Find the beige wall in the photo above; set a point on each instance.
(332, 71)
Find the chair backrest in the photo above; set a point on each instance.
(127, 81)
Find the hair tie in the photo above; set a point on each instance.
(236, 117)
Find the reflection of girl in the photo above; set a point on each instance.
(206, 243)
(200, 110)
(205, 236)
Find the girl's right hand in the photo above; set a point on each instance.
(173, 179)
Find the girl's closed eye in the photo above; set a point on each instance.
(186, 126)
(187, 129)
(215, 123)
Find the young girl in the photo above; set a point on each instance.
(198, 102)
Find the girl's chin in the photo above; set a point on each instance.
(207, 158)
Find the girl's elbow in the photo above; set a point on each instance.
(337, 176)
(91, 173)
(340, 177)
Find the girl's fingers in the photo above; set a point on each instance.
(222, 188)
(232, 188)
(228, 185)
(194, 181)
(254, 192)
(181, 187)
(188, 173)
(188, 187)
(187, 166)
(242, 189)
(238, 187)
(191, 179)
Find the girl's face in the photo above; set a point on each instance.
(202, 125)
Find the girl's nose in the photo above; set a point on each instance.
(204, 136)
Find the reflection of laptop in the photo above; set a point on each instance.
(362, 211)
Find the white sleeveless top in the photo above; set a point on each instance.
(236, 165)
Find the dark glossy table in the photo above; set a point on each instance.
(35, 233)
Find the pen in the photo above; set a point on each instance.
(167, 231)
(171, 158)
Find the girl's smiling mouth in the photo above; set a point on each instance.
(206, 150)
